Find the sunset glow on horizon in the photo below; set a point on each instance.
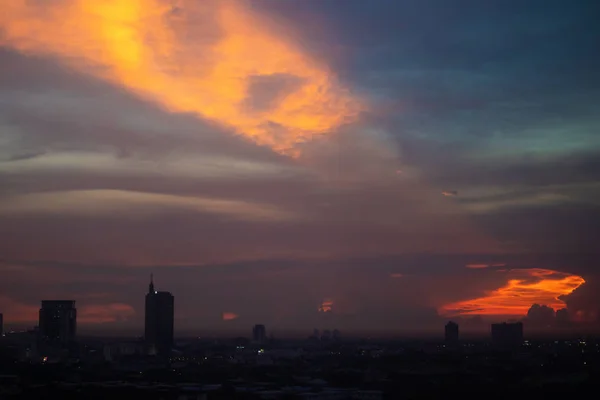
(377, 167)
(215, 59)
(524, 288)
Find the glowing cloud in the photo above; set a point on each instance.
(214, 58)
(524, 288)
(449, 193)
(326, 306)
(477, 266)
(229, 316)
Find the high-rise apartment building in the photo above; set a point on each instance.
(451, 333)
(159, 321)
(58, 321)
(259, 334)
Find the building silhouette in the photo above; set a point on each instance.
(337, 335)
(507, 334)
(259, 334)
(451, 333)
(58, 321)
(1, 324)
(159, 321)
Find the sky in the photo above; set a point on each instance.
(378, 166)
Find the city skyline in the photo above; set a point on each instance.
(57, 323)
(384, 166)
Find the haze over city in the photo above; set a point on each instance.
(372, 167)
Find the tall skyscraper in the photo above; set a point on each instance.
(259, 334)
(58, 321)
(451, 333)
(159, 323)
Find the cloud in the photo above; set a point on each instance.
(104, 313)
(229, 316)
(108, 202)
(326, 306)
(541, 315)
(477, 266)
(199, 57)
(25, 156)
(524, 288)
(450, 193)
(481, 266)
(541, 199)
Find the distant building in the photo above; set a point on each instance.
(113, 351)
(1, 324)
(159, 321)
(563, 319)
(58, 321)
(507, 334)
(315, 336)
(451, 333)
(259, 334)
(337, 335)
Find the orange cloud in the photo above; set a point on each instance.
(326, 306)
(450, 193)
(477, 266)
(524, 288)
(218, 59)
(229, 316)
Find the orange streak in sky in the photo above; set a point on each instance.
(527, 287)
(201, 57)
